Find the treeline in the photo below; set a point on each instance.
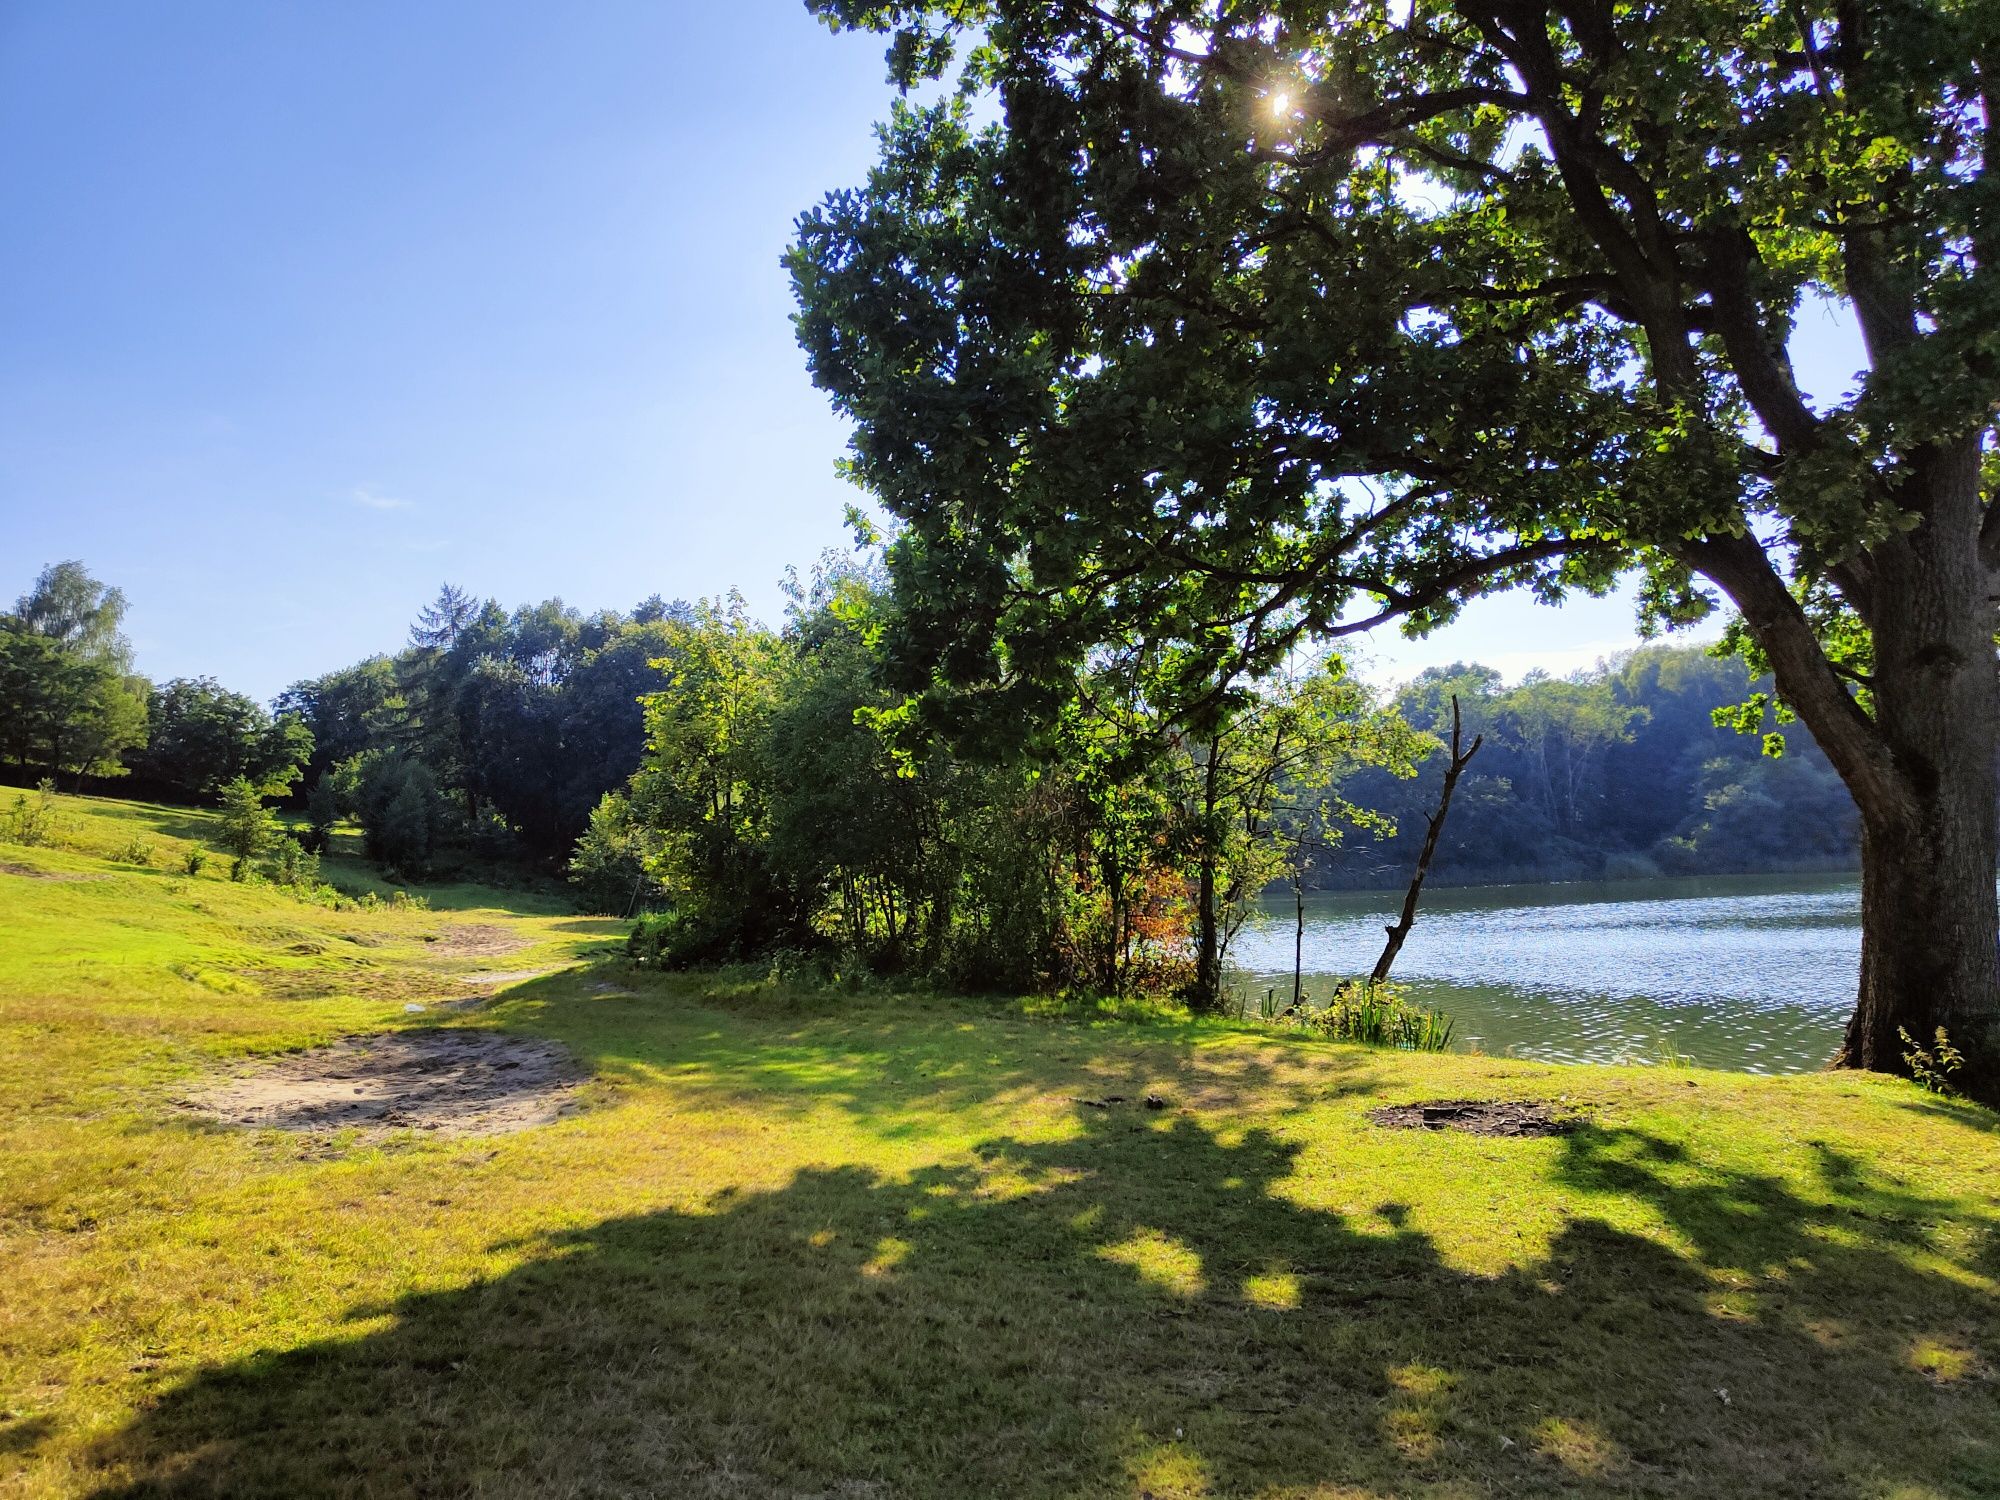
(759, 791)
(491, 734)
(72, 708)
(493, 731)
(1619, 772)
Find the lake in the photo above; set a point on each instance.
(1749, 972)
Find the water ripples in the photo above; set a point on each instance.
(1753, 973)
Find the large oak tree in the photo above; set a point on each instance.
(1236, 321)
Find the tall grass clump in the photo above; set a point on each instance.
(1378, 1015)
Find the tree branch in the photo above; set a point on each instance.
(1739, 567)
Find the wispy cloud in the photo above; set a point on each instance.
(366, 497)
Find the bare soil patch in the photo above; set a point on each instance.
(29, 872)
(502, 976)
(477, 940)
(453, 1082)
(1477, 1117)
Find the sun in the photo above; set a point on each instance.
(1281, 104)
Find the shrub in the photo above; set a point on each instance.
(681, 940)
(1377, 1015)
(322, 812)
(294, 865)
(1933, 1066)
(196, 861)
(608, 868)
(32, 820)
(136, 851)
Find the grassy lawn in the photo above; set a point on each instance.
(811, 1245)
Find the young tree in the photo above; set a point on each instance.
(608, 867)
(399, 806)
(1304, 318)
(322, 813)
(1264, 774)
(703, 787)
(248, 828)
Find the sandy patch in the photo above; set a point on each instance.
(1477, 1117)
(478, 940)
(502, 976)
(453, 1082)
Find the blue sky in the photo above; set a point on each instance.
(307, 308)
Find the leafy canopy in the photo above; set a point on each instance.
(1259, 320)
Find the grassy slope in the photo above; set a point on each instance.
(823, 1246)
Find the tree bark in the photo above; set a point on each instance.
(1921, 768)
(1206, 992)
(1928, 922)
(1298, 938)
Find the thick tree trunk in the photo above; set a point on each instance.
(1927, 943)
(1928, 924)
(1921, 769)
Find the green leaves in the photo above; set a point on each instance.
(70, 703)
(1481, 307)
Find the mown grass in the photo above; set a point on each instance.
(895, 1246)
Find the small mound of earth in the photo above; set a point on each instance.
(1476, 1117)
(478, 940)
(453, 1082)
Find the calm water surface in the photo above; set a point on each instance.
(1750, 972)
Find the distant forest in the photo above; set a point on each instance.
(1617, 772)
(497, 733)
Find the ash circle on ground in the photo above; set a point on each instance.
(1505, 1117)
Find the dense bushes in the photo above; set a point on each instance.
(608, 868)
(789, 803)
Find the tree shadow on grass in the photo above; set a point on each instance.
(1958, 1111)
(903, 1068)
(162, 819)
(1138, 1309)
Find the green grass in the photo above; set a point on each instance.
(895, 1246)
